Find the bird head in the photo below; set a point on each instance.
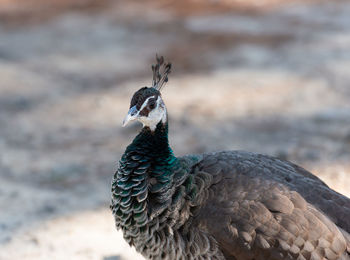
(146, 104)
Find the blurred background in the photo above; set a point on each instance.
(267, 76)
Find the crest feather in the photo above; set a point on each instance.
(160, 77)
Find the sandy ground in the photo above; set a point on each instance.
(271, 80)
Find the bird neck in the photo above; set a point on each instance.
(143, 180)
(152, 143)
(154, 193)
(151, 150)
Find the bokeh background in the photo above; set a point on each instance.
(267, 76)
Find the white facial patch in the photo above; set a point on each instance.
(155, 115)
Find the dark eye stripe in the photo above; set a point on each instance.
(144, 112)
(148, 107)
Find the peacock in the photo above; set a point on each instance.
(221, 205)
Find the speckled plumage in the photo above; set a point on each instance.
(224, 205)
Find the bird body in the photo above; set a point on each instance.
(223, 205)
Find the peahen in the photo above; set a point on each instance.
(223, 205)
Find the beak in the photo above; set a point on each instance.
(131, 116)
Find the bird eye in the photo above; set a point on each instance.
(151, 104)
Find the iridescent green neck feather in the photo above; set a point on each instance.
(155, 195)
(142, 185)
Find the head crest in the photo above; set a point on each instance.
(160, 77)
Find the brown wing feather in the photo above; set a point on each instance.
(264, 208)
